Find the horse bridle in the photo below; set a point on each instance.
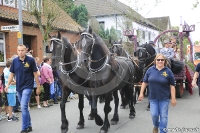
(61, 62)
(90, 36)
(145, 59)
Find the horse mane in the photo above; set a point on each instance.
(149, 48)
(99, 41)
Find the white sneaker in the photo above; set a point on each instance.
(1, 118)
(39, 107)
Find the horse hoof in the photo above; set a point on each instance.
(113, 122)
(64, 130)
(122, 107)
(102, 131)
(126, 107)
(80, 127)
(131, 116)
(90, 118)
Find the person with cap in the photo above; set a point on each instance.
(167, 51)
(154, 46)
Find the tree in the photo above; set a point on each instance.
(82, 19)
(45, 13)
(80, 15)
(113, 34)
(66, 5)
(102, 32)
(196, 4)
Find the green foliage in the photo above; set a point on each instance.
(191, 65)
(107, 33)
(102, 33)
(196, 4)
(82, 20)
(113, 34)
(196, 42)
(1, 56)
(80, 15)
(66, 5)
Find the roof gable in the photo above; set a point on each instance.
(161, 22)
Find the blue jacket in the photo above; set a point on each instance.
(169, 53)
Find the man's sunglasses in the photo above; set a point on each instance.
(160, 59)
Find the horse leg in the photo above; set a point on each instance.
(115, 118)
(65, 124)
(81, 106)
(107, 109)
(131, 103)
(123, 99)
(91, 115)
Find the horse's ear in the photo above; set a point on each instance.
(135, 53)
(59, 35)
(90, 29)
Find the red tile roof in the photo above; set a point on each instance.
(62, 22)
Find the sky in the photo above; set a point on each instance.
(172, 8)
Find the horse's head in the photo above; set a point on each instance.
(117, 48)
(146, 54)
(92, 47)
(56, 48)
(61, 48)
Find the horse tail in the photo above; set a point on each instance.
(177, 66)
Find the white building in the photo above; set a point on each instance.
(114, 13)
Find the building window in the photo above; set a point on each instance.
(0, 2)
(30, 5)
(2, 49)
(102, 23)
(10, 3)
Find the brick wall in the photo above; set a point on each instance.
(11, 40)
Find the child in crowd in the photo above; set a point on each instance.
(10, 91)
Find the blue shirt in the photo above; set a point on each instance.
(23, 71)
(159, 82)
(197, 69)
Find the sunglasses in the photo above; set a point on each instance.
(160, 59)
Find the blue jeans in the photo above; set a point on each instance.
(159, 110)
(58, 88)
(24, 98)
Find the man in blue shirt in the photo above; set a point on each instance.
(25, 70)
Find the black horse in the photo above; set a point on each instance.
(108, 74)
(118, 50)
(146, 55)
(65, 60)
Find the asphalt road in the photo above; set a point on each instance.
(184, 116)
